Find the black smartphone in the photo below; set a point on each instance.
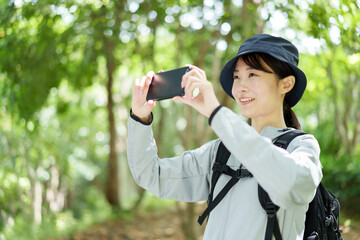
(167, 84)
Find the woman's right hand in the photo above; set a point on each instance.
(140, 107)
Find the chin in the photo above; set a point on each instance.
(246, 114)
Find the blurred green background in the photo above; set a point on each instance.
(67, 68)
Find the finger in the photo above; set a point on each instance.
(149, 78)
(196, 71)
(137, 85)
(195, 92)
(142, 82)
(150, 74)
(141, 85)
(186, 76)
(188, 91)
(179, 99)
(137, 82)
(145, 83)
(151, 103)
(194, 89)
(184, 80)
(194, 67)
(148, 81)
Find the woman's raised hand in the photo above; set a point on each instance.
(140, 107)
(193, 81)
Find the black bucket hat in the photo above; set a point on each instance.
(276, 47)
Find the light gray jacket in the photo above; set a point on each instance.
(290, 177)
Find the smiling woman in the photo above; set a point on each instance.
(263, 77)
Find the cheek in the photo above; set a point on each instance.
(233, 90)
(270, 95)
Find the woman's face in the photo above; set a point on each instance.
(257, 93)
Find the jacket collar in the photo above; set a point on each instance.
(273, 132)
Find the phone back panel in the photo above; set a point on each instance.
(167, 84)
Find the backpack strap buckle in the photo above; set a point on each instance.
(218, 167)
(238, 173)
(329, 220)
(270, 209)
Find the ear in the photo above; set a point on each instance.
(287, 84)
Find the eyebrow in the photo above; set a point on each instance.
(248, 68)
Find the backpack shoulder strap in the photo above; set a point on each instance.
(222, 157)
(220, 167)
(284, 140)
(272, 226)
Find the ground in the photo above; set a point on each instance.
(153, 226)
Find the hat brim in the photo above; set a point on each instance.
(292, 98)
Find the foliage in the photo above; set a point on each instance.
(63, 223)
(55, 59)
(331, 102)
(65, 158)
(343, 179)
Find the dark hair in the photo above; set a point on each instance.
(282, 70)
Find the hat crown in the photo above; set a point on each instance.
(277, 47)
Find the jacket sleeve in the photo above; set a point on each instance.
(182, 178)
(289, 176)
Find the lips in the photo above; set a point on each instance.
(246, 99)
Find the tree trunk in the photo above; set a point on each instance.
(195, 134)
(112, 182)
(189, 226)
(36, 191)
(343, 104)
(54, 195)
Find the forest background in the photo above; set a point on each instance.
(67, 68)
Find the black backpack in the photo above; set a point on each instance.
(322, 217)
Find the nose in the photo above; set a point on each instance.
(242, 85)
(239, 87)
(243, 88)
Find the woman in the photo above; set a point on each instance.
(265, 82)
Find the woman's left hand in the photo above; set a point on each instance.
(205, 101)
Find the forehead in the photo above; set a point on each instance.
(240, 64)
(253, 62)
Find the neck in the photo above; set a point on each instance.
(277, 121)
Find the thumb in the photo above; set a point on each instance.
(151, 104)
(179, 99)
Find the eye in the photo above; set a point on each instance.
(252, 75)
(235, 77)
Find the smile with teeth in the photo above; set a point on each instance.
(246, 99)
